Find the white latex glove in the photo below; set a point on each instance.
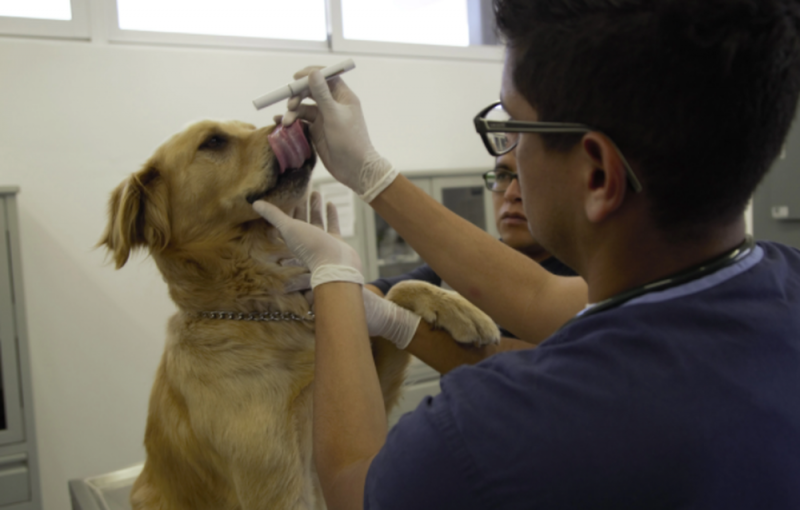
(339, 134)
(388, 320)
(328, 258)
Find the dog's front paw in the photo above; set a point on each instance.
(447, 310)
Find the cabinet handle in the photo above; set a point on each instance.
(10, 460)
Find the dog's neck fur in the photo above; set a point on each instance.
(232, 271)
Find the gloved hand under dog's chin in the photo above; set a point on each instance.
(327, 257)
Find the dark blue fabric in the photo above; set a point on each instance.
(691, 403)
(423, 273)
(426, 274)
(557, 267)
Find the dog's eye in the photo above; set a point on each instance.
(213, 142)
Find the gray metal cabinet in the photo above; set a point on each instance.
(776, 202)
(383, 253)
(19, 470)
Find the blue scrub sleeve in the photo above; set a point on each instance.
(418, 467)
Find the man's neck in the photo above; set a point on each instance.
(537, 253)
(634, 261)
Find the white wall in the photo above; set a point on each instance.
(77, 117)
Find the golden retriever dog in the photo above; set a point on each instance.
(229, 420)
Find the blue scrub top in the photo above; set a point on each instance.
(687, 398)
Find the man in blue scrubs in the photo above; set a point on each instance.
(640, 129)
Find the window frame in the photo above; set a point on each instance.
(76, 28)
(105, 28)
(119, 35)
(339, 44)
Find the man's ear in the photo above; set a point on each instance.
(605, 181)
(138, 215)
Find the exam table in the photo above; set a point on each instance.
(104, 492)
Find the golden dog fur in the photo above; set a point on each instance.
(229, 421)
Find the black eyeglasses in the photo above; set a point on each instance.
(500, 181)
(500, 134)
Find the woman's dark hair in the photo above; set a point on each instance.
(698, 94)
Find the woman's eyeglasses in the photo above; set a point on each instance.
(500, 134)
(498, 181)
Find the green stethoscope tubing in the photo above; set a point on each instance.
(708, 267)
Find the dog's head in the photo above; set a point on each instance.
(201, 184)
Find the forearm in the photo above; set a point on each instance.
(514, 290)
(349, 417)
(440, 351)
(437, 349)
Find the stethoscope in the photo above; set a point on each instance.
(727, 259)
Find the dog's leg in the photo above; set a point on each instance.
(263, 434)
(181, 471)
(391, 364)
(447, 310)
(441, 309)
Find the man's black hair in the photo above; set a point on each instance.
(698, 94)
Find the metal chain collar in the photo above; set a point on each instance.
(258, 317)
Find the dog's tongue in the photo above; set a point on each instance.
(290, 146)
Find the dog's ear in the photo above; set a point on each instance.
(138, 216)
